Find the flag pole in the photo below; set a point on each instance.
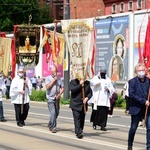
(83, 96)
(146, 110)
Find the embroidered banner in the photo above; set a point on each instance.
(78, 36)
(5, 51)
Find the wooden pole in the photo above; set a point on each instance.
(146, 110)
(83, 96)
(23, 96)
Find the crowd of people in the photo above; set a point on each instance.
(100, 91)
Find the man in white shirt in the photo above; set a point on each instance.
(20, 89)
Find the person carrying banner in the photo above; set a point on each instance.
(2, 92)
(102, 91)
(77, 103)
(20, 96)
(54, 89)
(139, 88)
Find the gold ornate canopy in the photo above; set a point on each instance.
(27, 41)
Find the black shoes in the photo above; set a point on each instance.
(21, 124)
(103, 129)
(3, 120)
(80, 136)
(129, 148)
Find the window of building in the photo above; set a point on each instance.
(122, 7)
(114, 8)
(139, 4)
(130, 5)
(47, 2)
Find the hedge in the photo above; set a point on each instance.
(40, 95)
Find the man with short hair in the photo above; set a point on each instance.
(20, 89)
(54, 88)
(138, 92)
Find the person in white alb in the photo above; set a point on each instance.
(20, 89)
(102, 91)
(2, 92)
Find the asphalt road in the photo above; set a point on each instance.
(36, 136)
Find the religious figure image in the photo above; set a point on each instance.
(116, 68)
(27, 43)
(119, 46)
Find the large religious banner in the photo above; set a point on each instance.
(78, 36)
(5, 52)
(112, 45)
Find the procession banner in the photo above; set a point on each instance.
(58, 44)
(5, 51)
(78, 36)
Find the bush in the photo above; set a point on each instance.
(64, 102)
(120, 101)
(38, 96)
(41, 97)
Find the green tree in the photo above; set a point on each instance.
(14, 12)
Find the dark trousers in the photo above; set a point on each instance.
(7, 92)
(34, 86)
(21, 117)
(134, 124)
(1, 110)
(110, 112)
(127, 102)
(79, 118)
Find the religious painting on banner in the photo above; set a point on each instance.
(78, 35)
(27, 40)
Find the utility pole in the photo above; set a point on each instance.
(67, 72)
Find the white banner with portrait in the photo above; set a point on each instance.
(78, 36)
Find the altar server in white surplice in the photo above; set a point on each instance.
(102, 91)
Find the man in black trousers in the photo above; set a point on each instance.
(81, 92)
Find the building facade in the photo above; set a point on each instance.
(123, 6)
(92, 8)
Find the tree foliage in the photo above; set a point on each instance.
(14, 12)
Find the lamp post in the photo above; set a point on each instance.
(67, 72)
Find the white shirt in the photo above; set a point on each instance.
(126, 88)
(3, 88)
(17, 86)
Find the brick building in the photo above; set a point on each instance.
(86, 8)
(92, 8)
(122, 6)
